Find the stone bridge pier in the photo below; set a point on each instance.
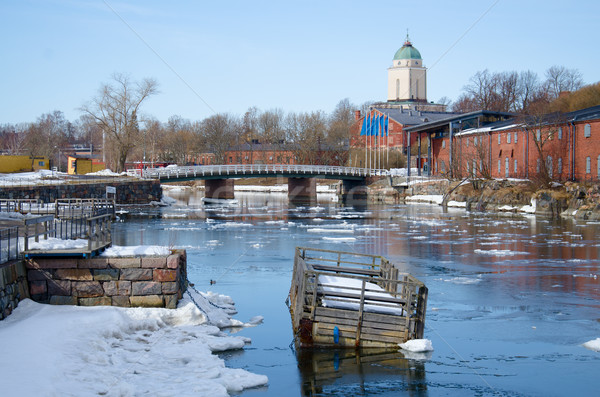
(302, 190)
(353, 190)
(219, 189)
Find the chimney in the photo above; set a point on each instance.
(357, 115)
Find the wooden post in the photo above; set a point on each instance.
(360, 314)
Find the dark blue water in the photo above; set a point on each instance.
(511, 298)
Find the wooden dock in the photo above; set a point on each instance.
(353, 300)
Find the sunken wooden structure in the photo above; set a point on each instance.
(353, 300)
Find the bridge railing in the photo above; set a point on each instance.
(252, 169)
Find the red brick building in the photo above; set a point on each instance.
(554, 146)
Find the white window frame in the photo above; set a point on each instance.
(588, 165)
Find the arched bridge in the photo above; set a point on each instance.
(301, 178)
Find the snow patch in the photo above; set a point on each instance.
(136, 250)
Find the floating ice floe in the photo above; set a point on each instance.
(499, 252)
(340, 239)
(417, 345)
(593, 345)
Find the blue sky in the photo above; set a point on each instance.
(298, 56)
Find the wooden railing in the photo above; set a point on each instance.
(404, 296)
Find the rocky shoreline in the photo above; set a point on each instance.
(577, 200)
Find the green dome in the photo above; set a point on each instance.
(407, 52)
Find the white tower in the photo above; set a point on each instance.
(407, 78)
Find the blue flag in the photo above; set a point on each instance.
(375, 121)
(363, 129)
(386, 125)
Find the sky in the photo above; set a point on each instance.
(227, 56)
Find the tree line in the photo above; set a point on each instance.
(112, 120)
(523, 92)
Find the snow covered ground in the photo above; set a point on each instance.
(85, 351)
(45, 177)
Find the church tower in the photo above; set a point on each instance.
(407, 78)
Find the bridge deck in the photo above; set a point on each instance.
(255, 171)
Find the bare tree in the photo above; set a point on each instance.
(543, 130)
(308, 136)
(220, 131)
(116, 110)
(560, 79)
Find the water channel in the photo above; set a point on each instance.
(511, 297)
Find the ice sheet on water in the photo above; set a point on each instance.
(231, 225)
(499, 252)
(463, 280)
(327, 230)
(340, 239)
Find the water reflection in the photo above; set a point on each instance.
(328, 372)
(512, 297)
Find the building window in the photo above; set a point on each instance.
(443, 144)
(467, 141)
(508, 137)
(397, 88)
(469, 167)
(443, 167)
(480, 166)
(559, 132)
(516, 136)
(506, 167)
(537, 166)
(588, 165)
(559, 165)
(474, 167)
(475, 140)
(515, 169)
(587, 131)
(538, 135)
(499, 166)
(40, 163)
(549, 166)
(499, 139)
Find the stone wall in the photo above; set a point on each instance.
(13, 287)
(149, 281)
(128, 191)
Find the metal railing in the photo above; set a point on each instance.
(60, 208)
(252, 169)
(62, 180)
(9, 244)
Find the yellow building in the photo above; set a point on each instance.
(23, 163)
(83, 165)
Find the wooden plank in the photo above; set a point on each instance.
(339, 269)
(384, 318)
(370, 299)
(331, 312)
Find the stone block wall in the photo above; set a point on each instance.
(128, 191)
(148, 281)
(13, 286)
